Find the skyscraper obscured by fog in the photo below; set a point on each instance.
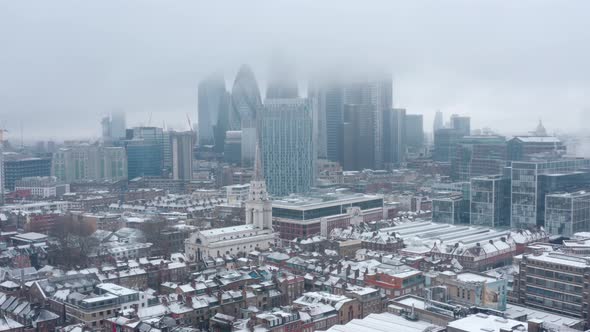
(358, 148)
(282, 82)
(461, 124)
(245, 103)
(213, 115)
(377, 92)
(328, 102)
(182, 155)
(438, 122)
(394, 136)
(286, 141)
(414, 128)
(113, 127)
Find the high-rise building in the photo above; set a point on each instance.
(478, 155)
(17, 166)
(532, 181)
(149, 152)
(438, 122)
(394, 136)
(445, 141)
(376, 92)
(328, 104)
(414, 129)
(113, 127)
(245, 103)
(118, 125)
(213, 115)
(182, 155)
(85, 162)
(567, 213)
(282, 82)
(286, 138)
(523, 148)
(461, 124)
(232, 152)
(490, 201)
(358, 130)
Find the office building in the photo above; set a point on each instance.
(523, 148)
(532, 181)
(490, 201)
(477, 156)
(554, 282)
(414, 131)
(394, 137)
(232, 151)
(84, 162)
(451, 208)
(461, 124)
(282, 82)
(318, 214)
(182, 155)
(328, 100)
(438, 122)
(286, 141)
(149, 152)
(375, 91)
(113, 127)
(358, 131)
(17, 166)
(445, 141)
(245, 103)
(42, 186)
(213, 114)
(567, 213)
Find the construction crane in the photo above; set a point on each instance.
(190, 125)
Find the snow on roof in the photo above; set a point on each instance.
(384, 322)
(31, 236)
(412, 302)
(472, 277)
(116, 289)
(487, 323)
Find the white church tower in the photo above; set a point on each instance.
(258, 206)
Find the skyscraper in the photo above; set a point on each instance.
(394, 136)
(118, 125)
(358, 129)
(245, 103)
(282, 82)
(445, 141)
(461, 124)
(213, 115)
(182, 155)
(438, 122)
(377, 92)
(286, 139)
(328, 103)
(414, 131)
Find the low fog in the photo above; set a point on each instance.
(507, 64)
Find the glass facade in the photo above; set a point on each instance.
(490, 201)
(566, 214)
(286, 139)
(532, 181)
(308, 214)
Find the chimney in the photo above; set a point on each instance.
(339, 268)
(357, 273)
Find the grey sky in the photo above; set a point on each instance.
(64, 64)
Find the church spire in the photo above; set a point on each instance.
(258, 163)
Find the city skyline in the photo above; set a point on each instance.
(492, 73)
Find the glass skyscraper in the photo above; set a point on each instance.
(285, 127)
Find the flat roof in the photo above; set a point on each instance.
(486, 323)
(322, 200)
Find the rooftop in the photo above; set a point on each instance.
(384, 322)
(487, 323)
